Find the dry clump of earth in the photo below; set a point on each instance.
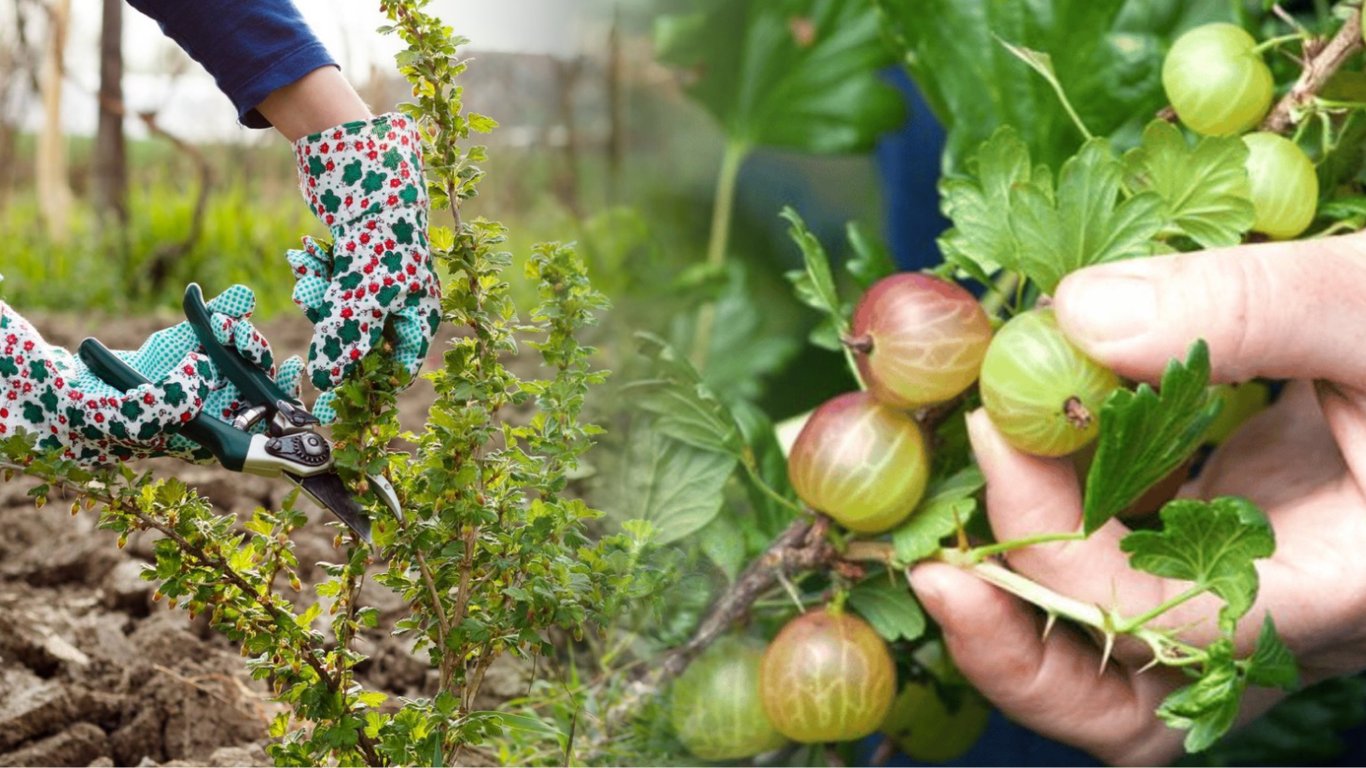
(93, 671)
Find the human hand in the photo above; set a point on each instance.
(365, 181)
(1284, 310)
(47, 391)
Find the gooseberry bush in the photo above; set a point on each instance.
(492, 556)
(1213, 128)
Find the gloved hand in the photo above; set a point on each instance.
(47, 391)
(364, 180)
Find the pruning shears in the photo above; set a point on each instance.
(290, 446)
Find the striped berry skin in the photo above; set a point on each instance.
(714, 706)
(1216, 81)
(827, 677)
(1285, 187)
(918, 340)
(1041, 392)
(860, 462)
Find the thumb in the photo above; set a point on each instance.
(1283, 310)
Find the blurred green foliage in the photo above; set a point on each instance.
(252, 214)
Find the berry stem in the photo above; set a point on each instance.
(856, 345)
(752, 469)
(1158, 610)
(1273, 42)
(979, 554)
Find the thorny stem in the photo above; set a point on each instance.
(1318, 69)
(1168, 650)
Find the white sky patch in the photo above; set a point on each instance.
(191, 105)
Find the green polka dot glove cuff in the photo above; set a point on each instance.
(364, 180)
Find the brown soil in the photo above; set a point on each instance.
(94, 672)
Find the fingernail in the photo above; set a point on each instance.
(1104, 308)
(980, 436)
(927, 588)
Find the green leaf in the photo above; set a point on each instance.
(524, 723)
(815, 285)
(1211, 543)
(1208, 707)
(769, 462)
(981, 240)
(1204, 189)
(1271, 664)
(305, 620)
(675, 486)
(1304, 729)
(889, 607)
(685, 408)
(1145, 435)
(947, 504)
(1107, 57)
(746, 347)
(871, 260)
(723, 543)
(372, 698)
(796, 74)
(1083, 222)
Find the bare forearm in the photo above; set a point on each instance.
(318, 101)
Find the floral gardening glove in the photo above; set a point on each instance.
(49, 392)
(364, 180)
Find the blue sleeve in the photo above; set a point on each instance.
(909, 163)
(250, 48)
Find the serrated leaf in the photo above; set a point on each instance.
(372, 698)
(889, 607)
(684, 407)
(981, 240)
(1082, 222)
(305, 619)
(1306, 728)
(814, 285)
(676, 487)
(871, 260)
(1210, 543)
(1144, 435)
(1208, 707)
(1271, 664)
(799, 74)
(1204, 189)
(948, 503)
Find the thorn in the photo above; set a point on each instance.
(1155, 661)
(791, 590)
(1105, 654)
(1048, 626)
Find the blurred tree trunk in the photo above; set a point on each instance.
(616, 136)
(567, 75)
(109, 170)
(54, 192)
